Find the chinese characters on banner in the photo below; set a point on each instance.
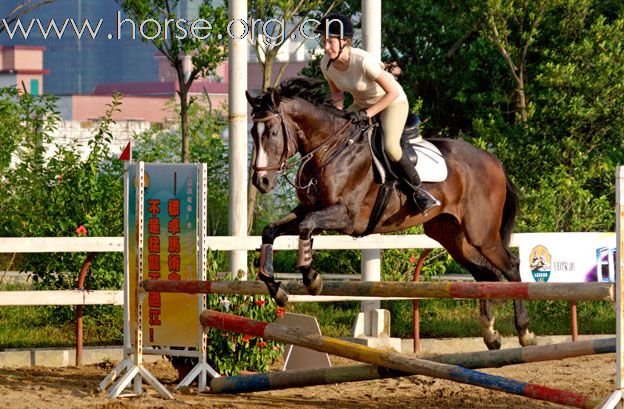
(170, 231)
(153, 262)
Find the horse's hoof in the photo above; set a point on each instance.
(279, 294)
(276, 291)
(494, 342)
(528, 339)
(315, 286)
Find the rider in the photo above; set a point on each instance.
(374, 91)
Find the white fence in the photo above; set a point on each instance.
(217, 243)
(369, 244)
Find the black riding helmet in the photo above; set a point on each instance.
(335, 25)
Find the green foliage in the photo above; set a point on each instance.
(569, 54)
(53, 196)
(206, 53)
(446, 63)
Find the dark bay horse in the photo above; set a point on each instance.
(337, 190)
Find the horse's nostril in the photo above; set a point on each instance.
(264, 181)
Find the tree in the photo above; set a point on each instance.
(178, 39)
(564, 156)
(206, 146)
(513, 26)
(50, 191)
(446, 63)
(287, 17)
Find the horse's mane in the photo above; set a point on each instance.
(308, 89)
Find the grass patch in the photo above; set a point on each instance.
(49, 326)
(27, 327)
(447, 318)
(442, 318)
(335, 319)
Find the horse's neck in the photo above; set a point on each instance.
(317, 125)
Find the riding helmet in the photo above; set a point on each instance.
(339, 26)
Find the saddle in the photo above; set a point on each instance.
(430, 166)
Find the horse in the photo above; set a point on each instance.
(336, 189)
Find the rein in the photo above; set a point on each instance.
(282, 166)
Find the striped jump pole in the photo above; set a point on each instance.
(489, 290)
(392, 360)
(354, 373)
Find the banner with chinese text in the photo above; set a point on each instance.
(170, 243)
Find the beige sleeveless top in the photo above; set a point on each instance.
(359, 79)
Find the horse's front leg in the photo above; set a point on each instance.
(287, 225)
(335, 217)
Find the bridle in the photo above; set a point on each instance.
(286, 152)
(283, 166)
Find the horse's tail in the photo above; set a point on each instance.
(510, 210)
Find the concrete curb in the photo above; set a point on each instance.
(58, 357)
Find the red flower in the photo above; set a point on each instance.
(260, 303)
(277, 347)
(261, 344)
(81, 230)
(280, 312)
(413, 259)
(246, 338)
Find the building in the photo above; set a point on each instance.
(22, 66)
(77, 65)
(84, 73)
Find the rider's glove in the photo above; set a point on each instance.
(358, 117)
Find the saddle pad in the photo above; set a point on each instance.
(431, 165)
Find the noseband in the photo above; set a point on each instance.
(286, 152)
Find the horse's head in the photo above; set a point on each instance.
(271, 139)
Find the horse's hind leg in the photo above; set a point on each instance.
(446, 230)
(508, 264)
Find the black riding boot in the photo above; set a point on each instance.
(421, 198)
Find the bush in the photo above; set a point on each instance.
(60, 195)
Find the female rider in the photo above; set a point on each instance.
(375, 91)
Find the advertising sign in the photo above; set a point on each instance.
(567, 257)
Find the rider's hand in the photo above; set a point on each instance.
(358, 117)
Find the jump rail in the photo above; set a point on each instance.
(489, 290)
(391, 360)
(354, 373)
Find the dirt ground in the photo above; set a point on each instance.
(76, 387)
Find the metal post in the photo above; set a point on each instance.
(371, 42)
(619, 231)
(616, 398)
(370, 267)
(237, 86)
(371, 26)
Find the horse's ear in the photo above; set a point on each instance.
(275, 98)
(250, 99)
